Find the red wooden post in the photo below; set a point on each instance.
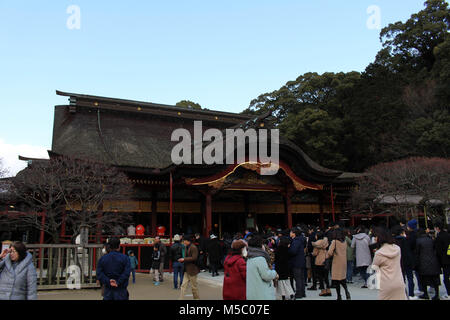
(94, 262)
(139, 258)
(63, 225)
(154, 212)
(41, 238)
(99, 225)
(208, 213)
(322, 222)
(170, 208)
(332, 202)
(288, 209)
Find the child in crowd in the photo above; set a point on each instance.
(156, 260)
(133, 264)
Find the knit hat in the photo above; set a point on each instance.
(238, 244)
(176, 237)
(412, 224)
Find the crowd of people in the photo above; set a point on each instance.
(286, 264)
(289, 264)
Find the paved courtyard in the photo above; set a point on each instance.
(210, 289)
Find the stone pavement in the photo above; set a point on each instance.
(356, 292)
(143, 289)
(210, 289)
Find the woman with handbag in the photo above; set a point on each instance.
(387, 260)
(338, 251)
(320, 252)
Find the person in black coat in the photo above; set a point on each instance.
(297, 261)
(214, 253)
(427, 264)
(442, 244)
(284, 288)
(407, 257)
(310, 248)
(201, 242)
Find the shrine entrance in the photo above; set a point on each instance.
(240, 197)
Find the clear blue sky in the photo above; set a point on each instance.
(221, 54)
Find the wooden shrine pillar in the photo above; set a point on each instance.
(171, 208)
(43, 217)
(63, 224)
(322, 222)
(248, 215)
(288, 207)
(98, 234)
(332, 203)
(41, 238)
(154, 212)
(208, 212)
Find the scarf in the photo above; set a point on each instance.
(258, 252)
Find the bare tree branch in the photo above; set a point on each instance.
(423, 178)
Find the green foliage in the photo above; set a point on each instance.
(188, 104)
(398, 107)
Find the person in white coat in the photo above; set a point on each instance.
(361, 242)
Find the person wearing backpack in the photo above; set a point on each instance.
(176, 252)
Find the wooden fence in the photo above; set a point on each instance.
(65, 266)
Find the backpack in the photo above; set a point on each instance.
(177, 253)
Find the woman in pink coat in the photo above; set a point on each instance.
(387, 260)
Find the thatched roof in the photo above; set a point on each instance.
(137, 135)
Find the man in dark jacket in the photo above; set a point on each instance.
(175, 253)
(297, 261)
(200, 243)
(407, 258)
(163, 253)
(190, 265)
(113, 271)
(411, 237)
(427, 264)
(214, 254)
(443, 253)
